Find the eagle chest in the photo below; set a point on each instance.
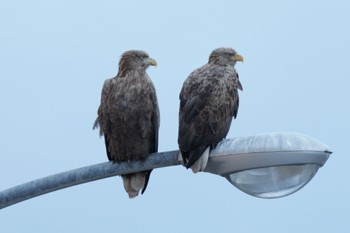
(129, 91)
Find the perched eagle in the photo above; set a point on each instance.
(208, 102)
(128, 116)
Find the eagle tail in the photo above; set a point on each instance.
(148, 174)
(199, 158)
(134, 182)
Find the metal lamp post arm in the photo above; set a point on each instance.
(83, 175)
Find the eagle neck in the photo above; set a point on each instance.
(131, 73)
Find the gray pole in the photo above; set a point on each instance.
(82, 175)
(229, 156)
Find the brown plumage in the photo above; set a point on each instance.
(208, 102)
(128, 116)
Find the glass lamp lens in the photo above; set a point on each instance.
(273, 182)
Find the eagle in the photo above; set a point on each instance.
(128, 117)
(208, 102)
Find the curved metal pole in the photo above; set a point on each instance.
(82, 175)
(231, 155)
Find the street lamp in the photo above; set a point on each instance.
(269, 165)
(265, 165)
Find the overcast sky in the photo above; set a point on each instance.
(55, 56)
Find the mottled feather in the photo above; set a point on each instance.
(128, 116)
(208, 102)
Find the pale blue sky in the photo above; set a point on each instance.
(55, 55)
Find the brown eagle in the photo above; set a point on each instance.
(208, 102)
(128, 116)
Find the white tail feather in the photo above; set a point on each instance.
(134, 183)
(201, 163)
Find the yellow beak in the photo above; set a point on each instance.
(152, 62)
(237, 57)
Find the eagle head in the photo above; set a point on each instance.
(135, 60)
(225, 56)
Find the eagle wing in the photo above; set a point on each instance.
(155, 119)
(208, 102)
(102, 121)
(128, 117)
